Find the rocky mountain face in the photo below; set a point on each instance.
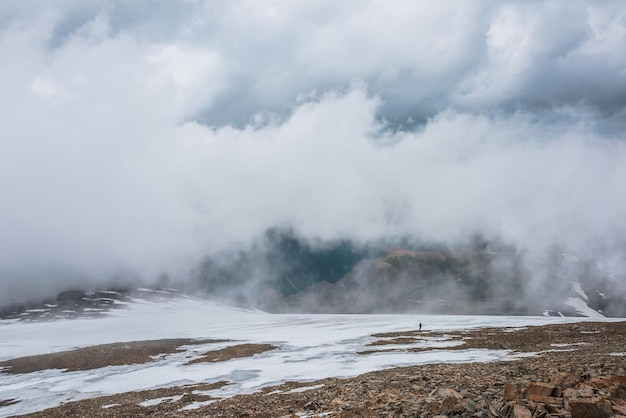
(285, 273)
(459, 282)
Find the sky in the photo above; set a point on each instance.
(136, 137)
(321, 345)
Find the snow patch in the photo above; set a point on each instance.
(513, 329)
(315, 415)
(579, 290)
(196, 405)
(566, 345)
(582, 308)
(157, 401)
(305, 388)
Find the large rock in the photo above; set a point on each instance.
(537, 392)
(590, 408)
(520, 411)
(511, 392)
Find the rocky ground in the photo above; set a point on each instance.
(132, 352)
(579, 370)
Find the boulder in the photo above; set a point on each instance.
(590, 408)
(520, 411)
(511, 392)
(537, 392)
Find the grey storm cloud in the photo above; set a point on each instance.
(136, 137)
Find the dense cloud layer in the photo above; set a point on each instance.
(134, 139)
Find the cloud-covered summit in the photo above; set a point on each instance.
(136, 137)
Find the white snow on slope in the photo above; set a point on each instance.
(582, 308)
(579, 290)
(310, 347)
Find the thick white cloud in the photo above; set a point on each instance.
(135, 138)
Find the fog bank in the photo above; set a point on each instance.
(136, 140)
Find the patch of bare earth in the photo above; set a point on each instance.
(522, 340)
(116, 354)
(237, 351)
(578, 371)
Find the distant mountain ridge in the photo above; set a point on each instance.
(287, 274)
(478, 277)
(438, 282)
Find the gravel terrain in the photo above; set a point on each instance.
(573, 370)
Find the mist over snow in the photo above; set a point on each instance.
(136, 138)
